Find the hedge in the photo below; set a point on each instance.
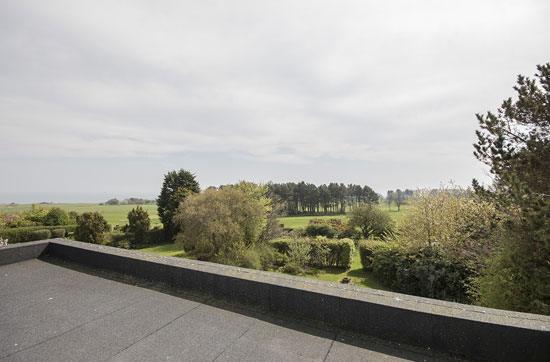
(426, 271)
(339, 252)
(156, 236)
(367, 250)
(32, 233)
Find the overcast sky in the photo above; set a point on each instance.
(105, 97)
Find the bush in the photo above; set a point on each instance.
(56, 216)
(92, 228)
(341, 253)
(331, 228)
(319, 230)
(517, 275)
(35, 215)
(42, 234)
(118, 240)
(426, 271)
(25, 234)
(58, 233)
(367, 249)
(322, 252)
(155, 236)
(139, 224)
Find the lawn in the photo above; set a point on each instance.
(114, 214)
(294, 222)
(358, 276)
(172, 249)
(117, 214)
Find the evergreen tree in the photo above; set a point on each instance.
(91, 228)
(515, 144)
(138, 224)
(176, 187)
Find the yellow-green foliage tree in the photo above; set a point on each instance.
(271, 210)
(217, 222)
(449, 217)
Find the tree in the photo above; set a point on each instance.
(445, 217)
(56, 216)
(139, 224)
(176, 187)
(516, 138)
(515, 143)
(91, 227)
(398, 199)
(35, 214)
(218, 222)
(389, 198)
(372, 221)
(114, 201)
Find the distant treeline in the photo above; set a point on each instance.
(305, 198)
(130, 201)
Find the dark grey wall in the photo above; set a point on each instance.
(20, 252)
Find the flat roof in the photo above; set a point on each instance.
(55, 312)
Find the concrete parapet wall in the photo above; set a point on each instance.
(470, 332)
(16, 253)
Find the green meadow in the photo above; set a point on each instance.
(294, 222)
(117, 214)
(114, 214)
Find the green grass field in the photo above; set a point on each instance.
(114, 214)
(172, 249)
(117, 214)
(294, 222)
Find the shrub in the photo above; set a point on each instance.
(58, 233)
(427, 271)
(56, 216)
(341, 253)
(366, 252)
(118, 240)
(139, 224)
(298, 253)
(91, 228)
(155, 236)
(42, 234)
(35, 215)
(267, 256)
(322, 252)
(517, 275)
(331, 228)
(25, 234)
(319, 230)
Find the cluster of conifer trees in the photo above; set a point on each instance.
(309, 199)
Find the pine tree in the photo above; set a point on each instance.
(176, 187)
(515, 144)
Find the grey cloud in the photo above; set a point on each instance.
(286, 83)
